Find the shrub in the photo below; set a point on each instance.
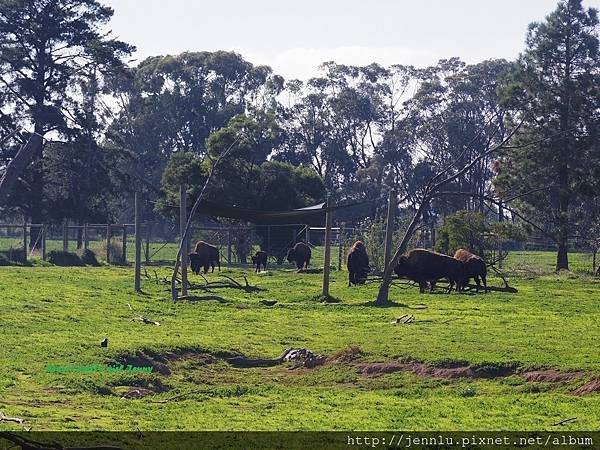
(66, 259)
(88, 257)
(4, 261)
(14, 256)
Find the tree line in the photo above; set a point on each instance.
(81, 129)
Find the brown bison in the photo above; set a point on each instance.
(423, 266)
(300, 254)
(474, 267)
(358, 264)
(260, 259)
(204, 255)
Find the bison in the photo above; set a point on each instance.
(358, 264)
(204, 255)
(423, 266)
(300, 254)
(474, 267)
(260, 259)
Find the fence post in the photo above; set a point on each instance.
(124, 251)
(86, 237)
(138, 244)
(44, 233)
(182, 225)
(229, 246)
(327, 256)
(65, 235)
(340, 246)
(307, 234)
(108, 243)
(389, 228)
(268, 239)
(25, 249)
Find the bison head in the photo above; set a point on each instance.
(401, 268)
(291, 255)
(195, 262)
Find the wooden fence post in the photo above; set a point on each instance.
(66, 236)
(25, 249)
(389, 228)
(340, 246)
(138, 244)
(108, 243)
(327, 256)
(182, 225)
(229, 246)
(44, 234)
(124, 250)
(86, 237)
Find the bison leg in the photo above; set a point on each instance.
(483, 279)
(206, 268)
(422, 286)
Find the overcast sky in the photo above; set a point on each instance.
(295, 37)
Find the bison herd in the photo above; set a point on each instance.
(424, 267)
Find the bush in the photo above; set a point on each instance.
(471, 231)
(13, 256)
(65, 259)
(4, 261)
(88, 257)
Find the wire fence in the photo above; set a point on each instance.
(114, 243)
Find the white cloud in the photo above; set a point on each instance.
(302, 63)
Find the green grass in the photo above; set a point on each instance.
(59, 316)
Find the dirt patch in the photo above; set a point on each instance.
(590, 387)
(448, 371)
(145, 359)
(551, 376)
(345, 356)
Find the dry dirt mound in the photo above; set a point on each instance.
(590, 387)
(551, 376)
(145, 359)
(449, 371)
(345, 356)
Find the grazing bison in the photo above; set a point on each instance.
(300, 254)
(474, 267)
(423, 266)
(204, 255)
(358, 264)
(260, 259)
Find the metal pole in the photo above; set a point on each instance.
(389, 228)
(307, 235)
(182, 225)
(327, 256)
(138, 244)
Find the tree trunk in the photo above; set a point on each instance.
(384, 289)
(17, 165)
(562, 258)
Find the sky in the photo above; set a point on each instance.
(295, 37)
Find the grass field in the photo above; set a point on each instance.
(58, 316)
